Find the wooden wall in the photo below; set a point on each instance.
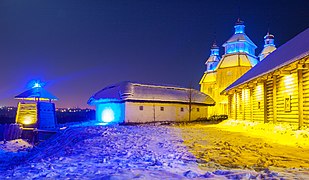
(287, 88)
(258, 102)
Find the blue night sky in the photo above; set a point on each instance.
(78, 47)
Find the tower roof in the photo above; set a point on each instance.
(239, 38)
(241, 59)
(239, 34)
(269, 45)
(36, 92)
(269, 36)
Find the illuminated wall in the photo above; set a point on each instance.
(287, 98)
(141, 112)
(27, 114)
(36, 115)
(272, 100)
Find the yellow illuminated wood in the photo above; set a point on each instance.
(265, 101)
(275, 98)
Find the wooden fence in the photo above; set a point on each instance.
(10, 132)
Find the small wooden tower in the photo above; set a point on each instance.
(36, 110)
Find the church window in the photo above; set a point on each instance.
(141, 108)
(162, 108)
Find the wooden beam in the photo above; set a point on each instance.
(251, 103)
(235, 105)
(275, 98)
(265, 101)
(300, 99)
(243, 94)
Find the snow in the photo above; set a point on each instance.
(133, 91)
(93, 151)
(14, 145)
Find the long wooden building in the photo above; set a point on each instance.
(132, 102)
(277, 88)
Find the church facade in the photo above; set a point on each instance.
(239, 57)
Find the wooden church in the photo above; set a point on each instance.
(238, 58)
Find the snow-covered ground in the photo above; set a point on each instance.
(93, 151)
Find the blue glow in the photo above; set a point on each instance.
(214, 52)
(212, 66)
(238, 47)
(110, 112)
(239, 29)
(35, 84)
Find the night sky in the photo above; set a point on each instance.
(78, 47)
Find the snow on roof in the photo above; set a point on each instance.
(267, 50)
(293, 50)
(132, 91)
(239, 37)
(37, 92)
(212, 59)
(240, 59)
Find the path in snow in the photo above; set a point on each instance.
(220, 148)
(91, 152)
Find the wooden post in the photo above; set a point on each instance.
(235, 105)
(265, 101)
(275, 98)
(243, 93)
(229, 105)
(300, 98)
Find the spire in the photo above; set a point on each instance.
(269, 40)
(214, 58)
(269, 45)
(214, 50)
(239, 26)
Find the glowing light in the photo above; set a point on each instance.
(110, 112)
(36, 85)
(289, 81)
(259, 92)
(108, 115)
(27, 120)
